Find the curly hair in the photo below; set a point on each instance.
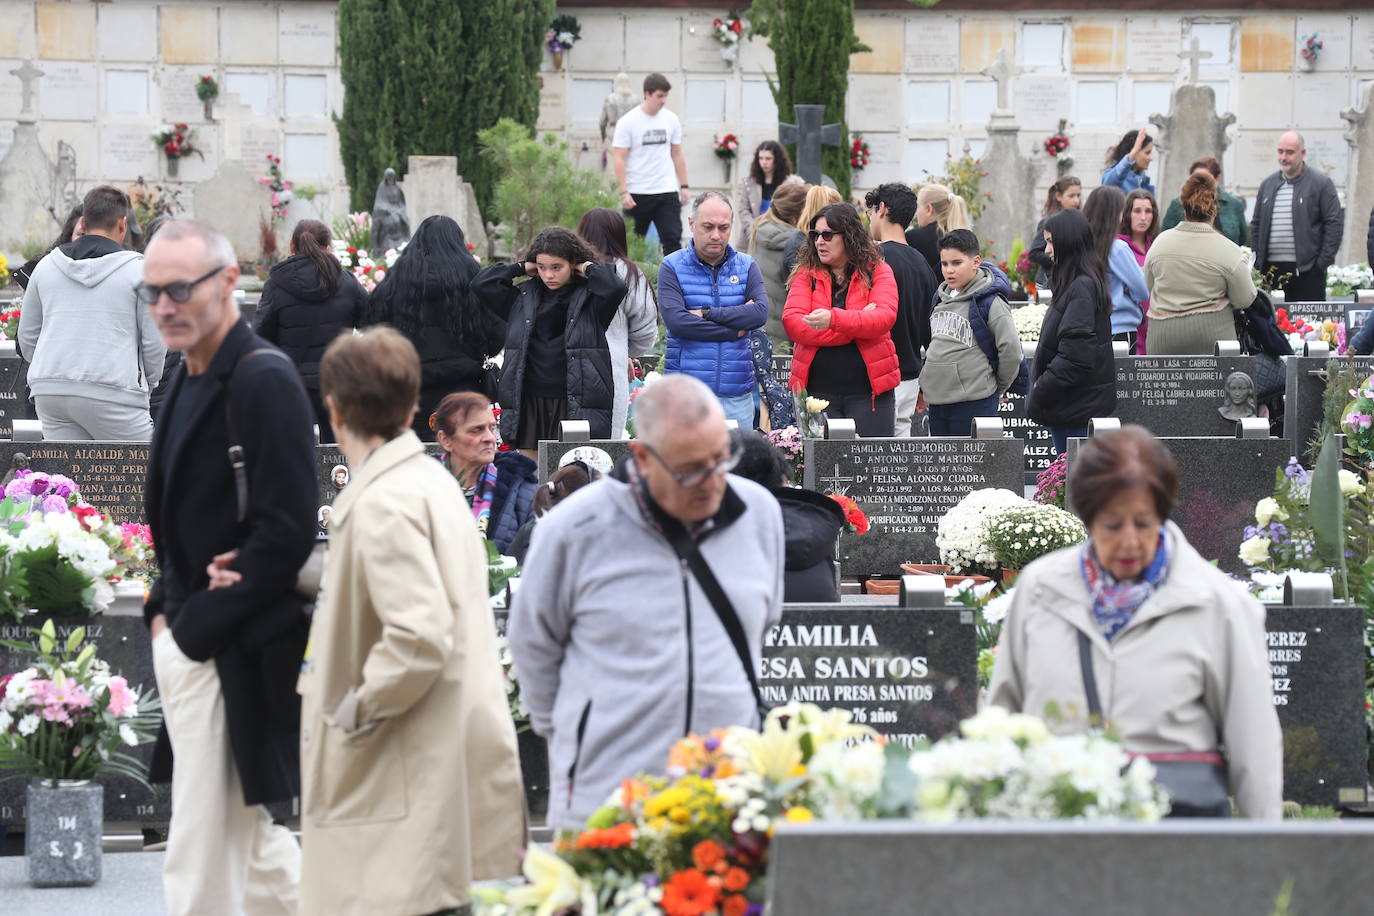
(558, 242)
(782, 163)
(859, 249)
(1199, 197)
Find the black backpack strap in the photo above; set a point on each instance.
(236, 455)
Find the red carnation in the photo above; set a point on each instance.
(737, 27)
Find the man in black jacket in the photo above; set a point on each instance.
(1298, 223)
(226, 658)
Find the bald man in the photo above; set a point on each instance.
(1297, 224)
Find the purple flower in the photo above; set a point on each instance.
(63, 485)
(712, 744)
(18, 488)
(54, 504)
(651, 880)
(38, 484)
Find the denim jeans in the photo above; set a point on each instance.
(1062, 435)
(740, 408)
(957, 419)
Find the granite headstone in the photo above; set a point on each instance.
(910, 673)
(1177, 395)
(1016, 425)
(1305, 390)
(110, 474)
(1220, 480)
(905, 486)
(14, 390)
(599, 453)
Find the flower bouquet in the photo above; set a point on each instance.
(564, 32)
(855, 522)
(1019, 269)
(174, 140)
(962, 535)
(353, 231)
(726, 146)
(1344, 281)
(1056, 143)
(280, 187)
(1051, 484)
(728, 32)
(859, 153)
(1028, 320)
(9, 323)
(1310, 50)
(207, 90)
(360, 264)
(788, 442)
(811, 414)
(1022, 534)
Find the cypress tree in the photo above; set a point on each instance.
(422, 77)
(811, 42)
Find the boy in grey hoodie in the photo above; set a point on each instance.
(957, 380)
(94, 352)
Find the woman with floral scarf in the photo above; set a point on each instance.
(499, 486)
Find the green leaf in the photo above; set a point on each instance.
(75, 638)
(1327, 504)
(55, 586)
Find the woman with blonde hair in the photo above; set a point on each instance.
(938, 211)
(818, 197)
(767, 244)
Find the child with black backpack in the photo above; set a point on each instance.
(974, 355)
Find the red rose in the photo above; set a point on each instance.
(715, 24)
(737, 27)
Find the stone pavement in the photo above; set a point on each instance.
(130, 885)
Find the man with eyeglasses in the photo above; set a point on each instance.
(711, 296)
(94, 356)
(621, 649)
(231, 487)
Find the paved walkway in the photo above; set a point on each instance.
(131, 885)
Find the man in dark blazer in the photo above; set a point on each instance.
(226, 658)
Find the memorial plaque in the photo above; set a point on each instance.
(1177, 395)
(600, 451)
(1041, 100)
(1016, 425)
(1220, 480)
(910, 673)
(932, 44)
(1316, 664)
(905, 486)
(1154, 45)
(782, 368)
(1302, 410)
(14, 391)
(110, 474)
(122, 640)
(332, 475)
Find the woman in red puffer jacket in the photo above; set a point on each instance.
(841, 305)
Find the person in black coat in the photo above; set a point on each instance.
(810, 521)
(557, 364)
(307, 301)
(1075, 374)
(227, 658)
(426, 296)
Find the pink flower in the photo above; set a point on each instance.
(121, 697)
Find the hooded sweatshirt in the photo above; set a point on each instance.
(956, 369)
(83, 329)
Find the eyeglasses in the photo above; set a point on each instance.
(827, 234)
(179, 292)
(693, 479)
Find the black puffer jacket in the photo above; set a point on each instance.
(300, 315)
(1075, 374)
(811, 523)
(590, 386)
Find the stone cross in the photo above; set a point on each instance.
(1002, 70)
(1193, 56)
(810, 135)
(27, 74)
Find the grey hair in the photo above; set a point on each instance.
(218, 251)
(674, 401)
(710, 195)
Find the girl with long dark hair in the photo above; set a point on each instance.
(841, 305)
(1065, 194)
(1128, 161)
(557, 364)
(634, 328)
(306, 302)
(1139, 227)
(769, 169)
(426, 297)
(1125, 280)
(1075, 378)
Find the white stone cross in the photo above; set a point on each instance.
(1002, 70)
(1193, 56)
(27, 74)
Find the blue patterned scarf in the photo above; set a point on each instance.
(1115, 603)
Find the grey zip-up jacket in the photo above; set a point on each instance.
(956, 369)
(83, 330)
(618, 651)
(1318, 220)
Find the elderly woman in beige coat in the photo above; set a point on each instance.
(411, 778)
(1178, 653)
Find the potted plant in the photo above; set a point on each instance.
(175, 142)
(207, 90)
(63, 721)
(563, 33)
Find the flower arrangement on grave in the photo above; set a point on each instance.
(1344, 281)
(175, 142)
(207, 90)
(137, 556)
(519, 713)
(68, 717)
(564, 32)
(1019, 269)
(9, 320)
(788, 442)
(810, 414)
(1051, 484)
(360, 264)
(1300, 330)
(353, 230)
(859, 153)
(150, 202)
(855, 521)
(728, 30)
(1063, 162)
(726, 146)
(1057, 142)
(1310, 49)
(696, 841)
(280, 187)
(1021, 534)
(1028, 320)
(962, 534)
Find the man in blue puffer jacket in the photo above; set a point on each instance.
(711, 297)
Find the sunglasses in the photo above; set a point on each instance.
(827, 234)
(179, 292)
(693, 479)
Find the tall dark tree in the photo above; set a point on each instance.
(811, 42)
(422, 77)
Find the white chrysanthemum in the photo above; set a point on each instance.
(28, 725)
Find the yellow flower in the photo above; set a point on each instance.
(772, 753)
(679, 814)
(816, 405)
(799, 815)
(1268, 509)
(554, 885)
(665, 801)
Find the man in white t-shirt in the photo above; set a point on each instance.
(649, 168)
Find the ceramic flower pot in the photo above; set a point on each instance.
(62, 828)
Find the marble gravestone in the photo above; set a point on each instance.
(910, 673)
(905, 486)
(1012, 176)
(1017, 425)
(598, 453)
(27, 175)
(1192, 129)
(1178, 395)
(110, 474)
(14, 390)
(1220, 480)
(433, 187)
(1317, 667)
(236, 204)
(1305, 391)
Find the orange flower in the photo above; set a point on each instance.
(736, 879)
(689, 893)
(707, 854)
(735, 905)
(617, 837)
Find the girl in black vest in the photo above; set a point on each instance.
(557, 365)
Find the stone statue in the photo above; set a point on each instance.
(20, 462)
(64, 182)
(617, 105)
(390, 224)
(1239, 403)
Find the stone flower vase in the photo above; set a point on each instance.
(62, 830)
(173, 163)
(209, 105)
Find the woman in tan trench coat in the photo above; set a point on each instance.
(1179, 653)
(411, 778)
